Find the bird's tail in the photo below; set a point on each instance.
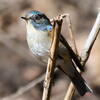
(80, 84)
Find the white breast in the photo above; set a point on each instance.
(38, 41)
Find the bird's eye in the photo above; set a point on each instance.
(37, 17)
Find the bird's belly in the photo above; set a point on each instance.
(39, 48)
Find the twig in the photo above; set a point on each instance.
(56, 18)
(71, 86)
(51, 61)
(70, 92)
(86, 52)
(24, 89)
(91, 39)
(71, 33)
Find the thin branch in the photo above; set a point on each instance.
(91, 39)
(24, 89)
(86, 52)
(71, 33)
(52, 61)
(56, 18)
(71, 89)
(70, 92)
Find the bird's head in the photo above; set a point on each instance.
(38, 20)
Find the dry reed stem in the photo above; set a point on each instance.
(71, 33)
(52, 61)
(86, 52)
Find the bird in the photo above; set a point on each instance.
(39, 38)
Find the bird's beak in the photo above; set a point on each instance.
(24, 18)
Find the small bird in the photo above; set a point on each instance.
(39, 38)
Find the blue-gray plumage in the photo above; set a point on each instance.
(39, 20)
(39, 38)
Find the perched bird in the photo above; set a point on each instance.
(39, 38)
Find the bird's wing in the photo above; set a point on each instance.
(71, 53)
(67, 66)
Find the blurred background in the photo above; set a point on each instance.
(18, 66)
